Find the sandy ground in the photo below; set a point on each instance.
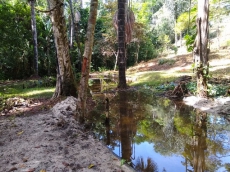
(53, 142)
(220, 106)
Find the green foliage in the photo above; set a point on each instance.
(192, 87)
(16, 46)
(123, 161)
(166, 61)
(76, 52)
(228, 43)
(166, 87)
(174, 48)
(213, 89)
(189, 41)
(165, 31)
(15, 27)
(217, 90)
(183, 126)
(143, 11)
(101, 69)
(183, 23)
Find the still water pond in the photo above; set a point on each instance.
(157, 134)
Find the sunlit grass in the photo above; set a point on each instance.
(38, 92)
(154, 78)
(18, 89)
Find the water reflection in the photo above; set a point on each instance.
(146, 131)
(127, 128)
(150, 165)
(107, 123)
(195, 152)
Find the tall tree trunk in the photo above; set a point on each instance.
(34, 32)
(121, 44)
(189, 14)
(75, 17)
(201, 51)
(87, 58)
(71, 23)
(116, 56)
(66, 84)
(175, 37)
(137, 53)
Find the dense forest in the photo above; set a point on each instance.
(158, 27)
(66, 40)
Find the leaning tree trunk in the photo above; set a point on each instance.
(121, 44)
(201, 50)
(34, 32)
(65, 85)
(87, 58)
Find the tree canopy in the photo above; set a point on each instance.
(155, 30)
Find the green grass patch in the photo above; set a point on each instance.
(166, 61)
(21, 89)
(38, 92)
(153, 78)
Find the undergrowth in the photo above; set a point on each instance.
(29, 89)
(214, 90)
(164, 61)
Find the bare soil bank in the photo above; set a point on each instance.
(53, 142)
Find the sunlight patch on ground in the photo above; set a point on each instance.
(38, 92)
(219, 64)
(182, 69)
(154, 77)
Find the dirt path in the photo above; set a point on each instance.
(53, 142)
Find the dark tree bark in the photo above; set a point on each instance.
(66, 85)
(121, 44)
(201, 51)
(87, 58)
(34, 32)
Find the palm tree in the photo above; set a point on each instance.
(123, 21)
(121, 44)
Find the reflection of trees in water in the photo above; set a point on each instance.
(126, 110)
(127, 130)
(199, 142)
(194, 129)
(141, 166)
(171, 129)
(167, 140)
